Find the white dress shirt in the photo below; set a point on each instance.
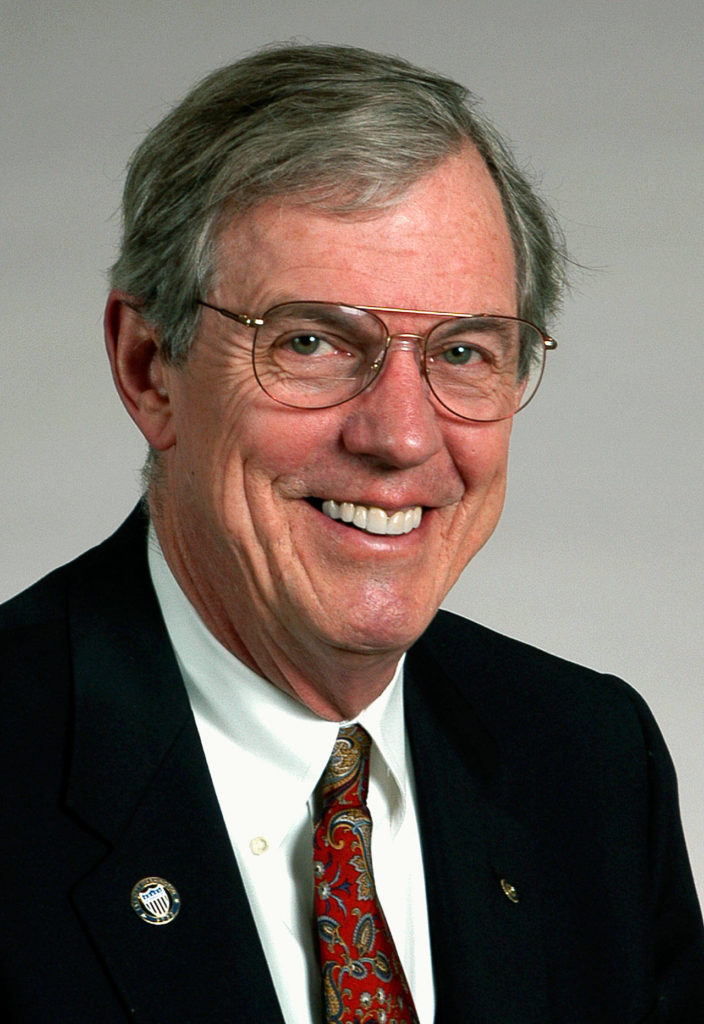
(266, 754)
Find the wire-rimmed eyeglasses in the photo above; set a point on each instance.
(315, 355)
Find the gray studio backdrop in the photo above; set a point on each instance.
(598, 556)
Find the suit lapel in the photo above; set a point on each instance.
(487, 948)
(139, 779)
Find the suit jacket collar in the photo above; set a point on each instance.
(124, 672)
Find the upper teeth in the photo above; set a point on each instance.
(374, 520)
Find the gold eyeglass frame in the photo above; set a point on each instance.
(254, 322)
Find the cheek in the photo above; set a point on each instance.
(480, 453)
(481, 461)
(273, 442)
(205, 458)
(266, 459)
(483, 469)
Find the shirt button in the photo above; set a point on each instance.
(258, 845)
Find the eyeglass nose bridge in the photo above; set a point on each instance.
(401, 342)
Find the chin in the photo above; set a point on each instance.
(382, 631)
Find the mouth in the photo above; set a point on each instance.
(371, 519)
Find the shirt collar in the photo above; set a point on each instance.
(281, 745)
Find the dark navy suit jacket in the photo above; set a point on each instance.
(530, 771)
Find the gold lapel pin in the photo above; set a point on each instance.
(509, 891)
(155, 900)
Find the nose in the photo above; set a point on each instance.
(394, 419)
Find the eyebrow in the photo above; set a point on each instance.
(329, 313)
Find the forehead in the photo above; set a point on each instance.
(445, 244)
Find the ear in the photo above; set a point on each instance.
(138, 369)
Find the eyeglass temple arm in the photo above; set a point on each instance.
(240, 318)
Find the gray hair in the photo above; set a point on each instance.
(340, 128)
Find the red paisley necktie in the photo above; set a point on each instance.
(363, 980)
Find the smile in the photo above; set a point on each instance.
(372, 519)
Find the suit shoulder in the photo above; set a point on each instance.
(452, 636)
(518, 678)
(45, 601)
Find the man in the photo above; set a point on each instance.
(330, 301)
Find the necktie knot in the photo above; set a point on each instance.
(345, 781)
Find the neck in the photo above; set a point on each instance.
(336, 687)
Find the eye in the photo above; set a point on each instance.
(460, 355)
(306, 344)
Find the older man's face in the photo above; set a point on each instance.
(274, 577)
